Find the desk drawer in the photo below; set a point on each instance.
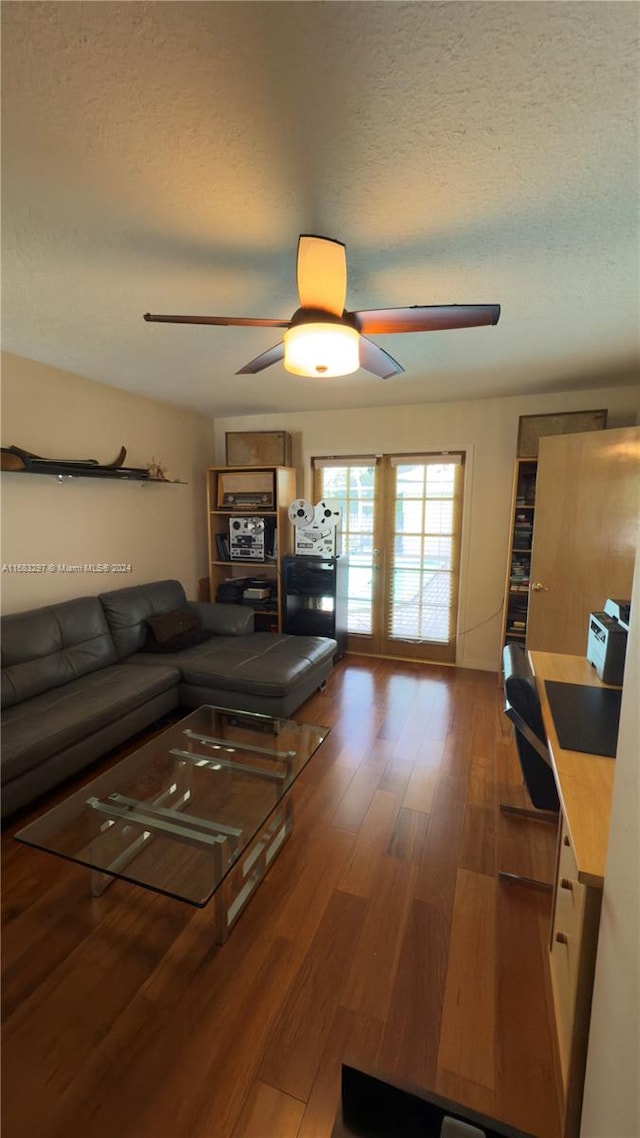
(566, 945)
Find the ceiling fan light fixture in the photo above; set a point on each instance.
(321, 349)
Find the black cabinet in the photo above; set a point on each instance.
(314, 597)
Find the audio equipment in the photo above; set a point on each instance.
(246, 538)
(316, 528)
(246, 490)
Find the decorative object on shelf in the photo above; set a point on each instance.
(246, 489)
(157, 471)
(531, 428)
(15, 458)
(21, 461)
(258, 448)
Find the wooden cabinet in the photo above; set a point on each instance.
(585, 787)
(235, 496)
(572, 962)
(516, 602)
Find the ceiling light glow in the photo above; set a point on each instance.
(321, 350)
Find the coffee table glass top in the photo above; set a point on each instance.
(176, 814)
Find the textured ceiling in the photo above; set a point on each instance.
(164, 157)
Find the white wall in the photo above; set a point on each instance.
(612, 1087)
(487, 429)
(158, 529)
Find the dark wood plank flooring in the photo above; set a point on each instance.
(381, 936)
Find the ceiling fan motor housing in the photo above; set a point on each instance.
(322, 344)
(321, 316)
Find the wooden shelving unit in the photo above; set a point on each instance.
(278, 483)
(516, 602)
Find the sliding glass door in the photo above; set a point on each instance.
(401, 530)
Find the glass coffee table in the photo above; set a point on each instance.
(199, 812)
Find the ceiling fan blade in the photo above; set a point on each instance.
(426, 318)
(271, 356)
(377, 361)
(241, 321)
(321, 273)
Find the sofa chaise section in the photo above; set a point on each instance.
(259, 673)
(264, 672)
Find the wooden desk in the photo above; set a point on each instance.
(585, 787)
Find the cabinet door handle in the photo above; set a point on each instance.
(565, 883)
(536, 587)
(562, 938)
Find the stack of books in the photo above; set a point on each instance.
(517, 626)
(520, 569)
(222, 546)
(522, 531)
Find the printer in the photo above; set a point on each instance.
(607, 640)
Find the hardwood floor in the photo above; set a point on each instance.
(381, 936)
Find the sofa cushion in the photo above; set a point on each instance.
(48, 647)
(34, 731)
(224, 620)
(128, 610)
(173, 631)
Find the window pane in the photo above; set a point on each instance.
(408, 551)
(359, 596)
(334, 482)
(422, 588)
(439, 516)
(441, 480)
(409, 516)
(420, 608)
(410, 481)
(363, 480)
(438, 553)
(359, 544)
(352, 488)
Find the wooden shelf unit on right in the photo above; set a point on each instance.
(518, 582)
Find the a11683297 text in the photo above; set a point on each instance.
(67, 567)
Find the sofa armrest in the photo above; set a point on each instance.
(224, 620)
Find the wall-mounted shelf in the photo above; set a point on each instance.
(122, 475)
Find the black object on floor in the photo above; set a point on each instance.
(372, 1108)
(586, 718)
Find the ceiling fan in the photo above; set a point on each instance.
(322, 338)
